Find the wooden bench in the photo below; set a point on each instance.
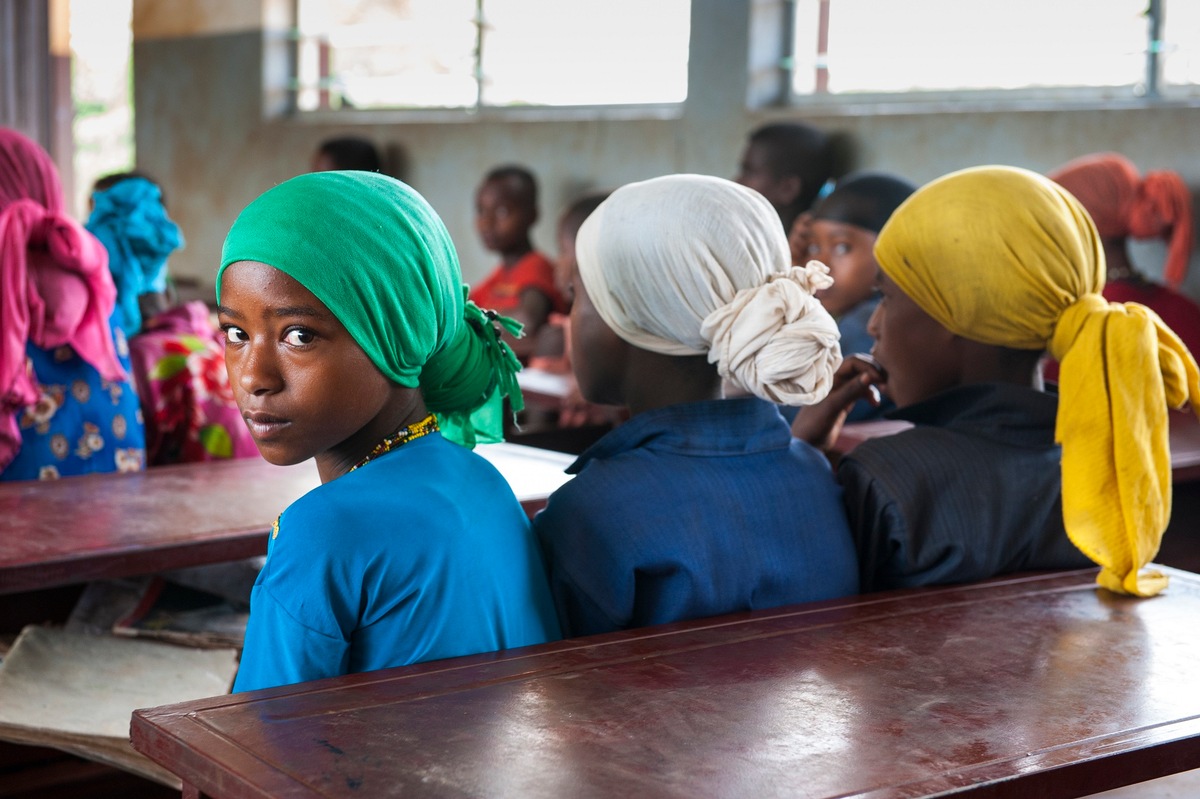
(1037, 685)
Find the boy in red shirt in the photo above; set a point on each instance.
(523, 285)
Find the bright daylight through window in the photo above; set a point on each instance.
(877, 47)
(372, 54)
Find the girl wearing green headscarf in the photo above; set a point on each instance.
(348, 340)
(984, 270)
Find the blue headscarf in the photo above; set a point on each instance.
(129, 219)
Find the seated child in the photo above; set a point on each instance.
(346, 152)
(982, 270)
(841, 234)
(553, 348)
(523, 285)
(67, 406)
(697, 505)
(175, 350)
(1127, 205)
(342, 304)
(789, 163)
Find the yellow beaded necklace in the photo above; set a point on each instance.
(400, 437)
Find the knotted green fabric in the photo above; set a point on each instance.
(379, 257)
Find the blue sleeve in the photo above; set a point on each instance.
(592, 594)
(302, 607)
(280, 651)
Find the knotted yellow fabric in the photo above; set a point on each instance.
(1004, 256)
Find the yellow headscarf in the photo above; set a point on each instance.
(1006, 257)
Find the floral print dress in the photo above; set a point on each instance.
(179, 362)
(81, 423)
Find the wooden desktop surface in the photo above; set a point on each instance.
(1036, 685)
(113, 525)
(1184, 436)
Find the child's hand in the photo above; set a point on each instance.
(857, 378)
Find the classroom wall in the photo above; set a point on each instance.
(206, 128)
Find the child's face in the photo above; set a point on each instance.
(597, 353)
(303, 385)
(917, 353)
(847, 251)
(755, 172)
(502, 217)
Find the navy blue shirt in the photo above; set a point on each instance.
(695, 510)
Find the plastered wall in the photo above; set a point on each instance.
(204, 127)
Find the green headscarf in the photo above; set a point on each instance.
(379, 257)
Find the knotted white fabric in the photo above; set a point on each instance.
(692, 264)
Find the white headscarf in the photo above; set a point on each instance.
(691, 264)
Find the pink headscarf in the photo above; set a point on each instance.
(1123, 203)
(55, 288)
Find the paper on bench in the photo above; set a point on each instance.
(76, 692)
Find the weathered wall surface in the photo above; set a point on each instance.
(203, 127)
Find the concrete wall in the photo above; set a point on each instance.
(206, 128)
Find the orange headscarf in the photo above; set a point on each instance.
(1124, 203)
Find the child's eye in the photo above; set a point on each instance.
(234, 334)
(841, 248)
(298, 337)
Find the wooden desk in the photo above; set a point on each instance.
(1040, 685)
(1185, 447)
(115, 525)
(1184, 435)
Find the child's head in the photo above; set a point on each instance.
(841, 234)
(129, 218)
(1009, 262)
(568, 229)
(341, 296)
(690, 265)
(1124, 204)
(506, 207)
(27, 172)
(788, 163)
(346, 152)
(105, 182)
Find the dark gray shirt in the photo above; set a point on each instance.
(972, 491)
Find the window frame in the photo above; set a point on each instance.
(1147, 93)
(478, 111)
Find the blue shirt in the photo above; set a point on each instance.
(423, 553)
(695, 510)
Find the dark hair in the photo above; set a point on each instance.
(105, 182)
(523, 179)
(865, 200)
(793, 148)
(352, 152)
(579, 210)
